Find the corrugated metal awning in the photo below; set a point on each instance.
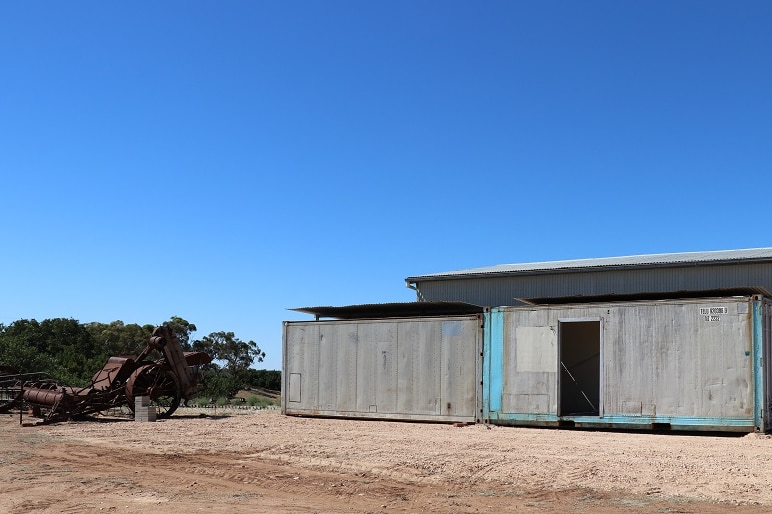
(393, 310)
(665, 295)
(652, 260)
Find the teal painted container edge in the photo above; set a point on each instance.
(758, 376)
(628, 422)
(493, 363)
(485, 373)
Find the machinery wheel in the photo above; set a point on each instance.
(157, 383)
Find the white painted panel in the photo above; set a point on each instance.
(536, 349)
(294, 387)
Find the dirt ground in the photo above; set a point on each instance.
(262, 461)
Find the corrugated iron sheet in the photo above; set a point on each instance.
(663, 259)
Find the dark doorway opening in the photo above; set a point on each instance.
(579, 354)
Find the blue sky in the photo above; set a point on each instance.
(226, 161)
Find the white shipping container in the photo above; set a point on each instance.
(678, 364)
(424, 369)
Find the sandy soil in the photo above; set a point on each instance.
(266, 462)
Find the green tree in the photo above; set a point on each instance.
(236, 355)
(68, 333)
(117, 338)
(28, 331)
(267, 379)
(183, 329)
(60, 347)
(23, 357)
(219, 384)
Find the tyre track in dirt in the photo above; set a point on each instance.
(271, 463)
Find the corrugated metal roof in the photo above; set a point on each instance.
(662, 259)
(393, 310)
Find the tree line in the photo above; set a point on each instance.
(72, 352)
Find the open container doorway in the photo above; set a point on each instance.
(579, 373)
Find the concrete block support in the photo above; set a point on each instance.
(143, 411)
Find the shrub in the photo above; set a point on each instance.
(259, 401)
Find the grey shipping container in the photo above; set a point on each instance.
(674, 364)
(424, 369)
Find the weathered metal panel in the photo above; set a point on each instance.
(412, 368)
(459, 368)
(502, 290)
(337, 366)
(684, 363)
(531, 357)
(376, 368)
(420, 356)
(300, 373)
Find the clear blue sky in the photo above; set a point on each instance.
(226, 161)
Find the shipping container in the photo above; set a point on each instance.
(419, 368)
(694, 364)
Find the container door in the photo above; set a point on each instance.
(579, 372)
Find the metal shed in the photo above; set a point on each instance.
(422, 365)
(689, 272)
(668, 341)
(695, 364)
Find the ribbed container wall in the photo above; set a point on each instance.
(424, 369)
(683, 364)
(500, 290)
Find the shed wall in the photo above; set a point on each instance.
(660, 362)
(497, 290)
(413, 369)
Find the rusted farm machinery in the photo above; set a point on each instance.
(166, 381)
